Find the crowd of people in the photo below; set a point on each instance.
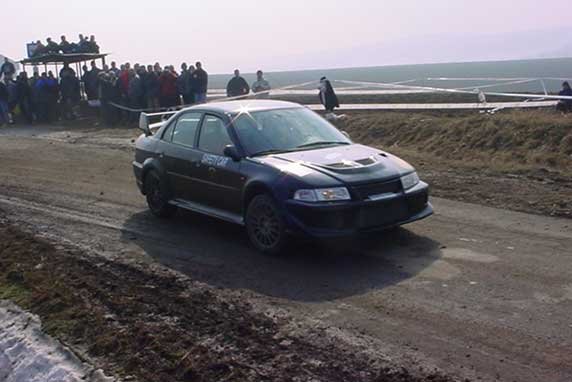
(121, 92)
(83, 45)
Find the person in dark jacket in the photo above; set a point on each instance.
(109, 93)
(200, 82)
(71, 94)
(24, 92)
(328, 97)
(565, 105)
(51, 46)
(92, 45)
(135, 93)
(151, 86)
(4, 117)
(237, 86)
(65, 47)
(90, 82)
(40, 49)
(66, 70)
(183, 85)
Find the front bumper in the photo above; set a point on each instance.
(339, 219)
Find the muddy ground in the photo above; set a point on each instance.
(473, 292)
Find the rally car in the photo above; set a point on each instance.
(276, 168)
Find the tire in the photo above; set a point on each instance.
(265, 225)
(157, 198)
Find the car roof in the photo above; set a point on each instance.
(232, 107)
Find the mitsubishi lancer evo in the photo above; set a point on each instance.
(278, 169)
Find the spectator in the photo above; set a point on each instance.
(124, 79)
(43, 98)
(565, 105)
(65, 47)
(328, 97)
(151, 86)
(7, 70)
(24, 92)
(135, 94)
(237, 86)
(82, 45)
(4, 116)
(183, 82)
(191, 86)
(91, 82)
(53, 97)
(66, 70)
(261, 85)
(39, 50)
(114, 69)
(168, 95)
(71, 95)
(109, 94)
(12, 88)
(51, 46)
(92, 45)
(201, 80)
(35, 78)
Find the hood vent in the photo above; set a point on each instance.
(345, 164)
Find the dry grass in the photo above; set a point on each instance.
(507, 141)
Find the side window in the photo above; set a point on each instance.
(167, 134)
(186, 129)
(214, 135)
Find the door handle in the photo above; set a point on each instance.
(161, 155)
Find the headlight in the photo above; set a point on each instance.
(409, 180)
(322, 194)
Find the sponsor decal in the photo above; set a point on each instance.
(214, 160)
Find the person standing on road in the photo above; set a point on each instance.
(71, 94)
(328, 97)
(565, 105)
(4, 118)
(24, 92)
(183, 84)
(201, 80)
(261, 86)
(237, 86)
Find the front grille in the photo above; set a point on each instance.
(364, 191)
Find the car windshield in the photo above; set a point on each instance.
(282, 130)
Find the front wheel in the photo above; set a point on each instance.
(157, 198)
(265, 225)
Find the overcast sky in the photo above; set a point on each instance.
(225, 34)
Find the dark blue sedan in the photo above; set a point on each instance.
(276, 168)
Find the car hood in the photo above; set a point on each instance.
(347, 164)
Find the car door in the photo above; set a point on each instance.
(180, 156)
(220, 175)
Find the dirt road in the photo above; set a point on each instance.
(475, 291)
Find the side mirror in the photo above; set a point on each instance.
(144, 124)
(231, 152)
(346, 134)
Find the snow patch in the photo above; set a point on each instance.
(29, 355)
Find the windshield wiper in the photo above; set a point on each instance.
(322, 143)
(268, 152)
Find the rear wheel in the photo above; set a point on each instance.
(265, 225)
(157, 198)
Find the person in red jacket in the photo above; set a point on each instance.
(168, 93)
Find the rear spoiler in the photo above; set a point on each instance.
(147, 127)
